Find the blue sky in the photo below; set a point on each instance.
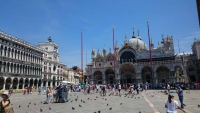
(36, 20)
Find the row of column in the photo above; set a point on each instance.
(24, 85)
(19, 55)
(6, 67)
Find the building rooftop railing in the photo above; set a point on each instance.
(43, 43)
(20, 41)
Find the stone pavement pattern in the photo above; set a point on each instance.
(129, 105)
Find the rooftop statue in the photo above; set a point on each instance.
(49, 39)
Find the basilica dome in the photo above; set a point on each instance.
(133, 42)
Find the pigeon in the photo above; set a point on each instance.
(72, 101)
(34, 103)
(81, 100)
(105, 99)
(107, 104)
(41, 101)
(41, 110)
(49, 108)
(30, 103)
(121, 103)
(19, 106)
(73, 108)
(28, 106)
(95, 112)
(80, 106)
(110, 109)
(99, 111)
(198, 105)
(140, 112)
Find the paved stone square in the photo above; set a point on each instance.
(144, 103)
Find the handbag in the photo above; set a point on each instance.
(50, 94)
(9, 109)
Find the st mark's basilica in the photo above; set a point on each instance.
(133, 63)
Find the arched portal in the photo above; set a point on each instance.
(110, 75)
(98, 77)
(162, 73)
(31, 83)
(1, 83)
(147, 75)
(35, 82)
(15, 83)
(127, 74)
(21, 83)
(26, 82)
(8, 83)
(40, 82)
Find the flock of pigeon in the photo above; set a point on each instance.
(76, 99)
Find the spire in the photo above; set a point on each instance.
(151, 41)
(125, 39)
(138, 32)
(98, 53)
(133, 33)
(104, 48)
(93, 49)
(162, 39)
(116, 46)
(152, 44)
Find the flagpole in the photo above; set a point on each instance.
(82, 54)
(113, 46)
(150, 50)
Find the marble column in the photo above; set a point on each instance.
(17, 84)
(23, 84)
(4, 86)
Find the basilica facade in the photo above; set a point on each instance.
(132, 63)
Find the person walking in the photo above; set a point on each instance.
(168, 88)
(179, 91)
(172, 105)
(39, 90)
(119, 88)
(48, 93)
